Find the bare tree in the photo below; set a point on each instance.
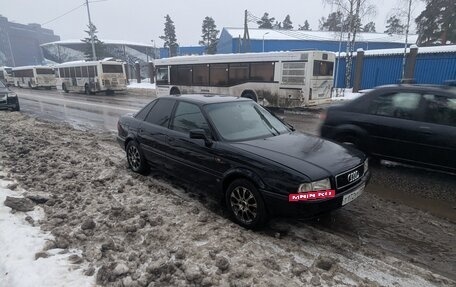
(353, 11)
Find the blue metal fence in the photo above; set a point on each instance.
(430, 68)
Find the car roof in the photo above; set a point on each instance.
(415, 87)
(206, 98)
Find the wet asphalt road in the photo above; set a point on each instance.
(430, 191)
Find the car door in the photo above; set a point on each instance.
(197, 161)
(153, 131)
(393, 125)
(438, 131)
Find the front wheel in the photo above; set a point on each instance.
(245, 204)
(64, 88)
(87, 90)
(17, 108)
(136, 159)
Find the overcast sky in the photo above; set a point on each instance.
(143, 20)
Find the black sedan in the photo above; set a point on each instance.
(8, 99)
(253, 161)
(411, 124)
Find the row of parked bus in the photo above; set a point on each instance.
(81, 76)
(277, 79)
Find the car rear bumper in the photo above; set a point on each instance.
(278, 205)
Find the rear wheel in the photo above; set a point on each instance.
(245, 204)
(87, 90)
(17, 108)
(64, 88)
(136, 159)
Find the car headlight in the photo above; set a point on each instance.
(323, 184)
(366, 166)
(12, 95)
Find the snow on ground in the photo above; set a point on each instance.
(345, 95)
(144, 85)
(20, 241)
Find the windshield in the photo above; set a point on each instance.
(112, 68)
(240, 121)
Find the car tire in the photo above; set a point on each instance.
(64, 88)
(136, 160)
(245, 204)
(17, 108)
(350, 140)
(249, 95)
(87, 90)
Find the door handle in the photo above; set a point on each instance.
(425, 130)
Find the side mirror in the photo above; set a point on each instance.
(200, 134)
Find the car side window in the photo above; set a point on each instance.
(142, 114)
(398, 105)
(187, 117)
(161, 112)
(440, 110)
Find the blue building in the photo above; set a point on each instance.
(268, 40)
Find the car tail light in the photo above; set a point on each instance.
(323, 115)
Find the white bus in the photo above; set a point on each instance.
(6, 76)
(276, 79)
(34, 77)
(91, 76)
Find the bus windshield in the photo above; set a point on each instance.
(112, 69)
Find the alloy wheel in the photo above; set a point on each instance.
(244, 204)
(134, 157)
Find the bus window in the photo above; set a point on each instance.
(78, 71)
(112, 69)
(201, 75)
(218, 74)
(72, 72)
(262, 72)
(67, 72)
(44, 71)
(323, 68)
(294, 73)
(184, 75)
(92, 71)
(162, 75)
(84, 72)
(238, 73)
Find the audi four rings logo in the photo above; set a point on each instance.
(352, 176)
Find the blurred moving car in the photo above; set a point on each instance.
(252, 160)
(8, 99)
(411, 124)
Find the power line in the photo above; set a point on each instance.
(70, 11)
(64, 14)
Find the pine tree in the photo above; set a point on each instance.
(100, 49)
(437, 23)
(305, 27)
(210, 32)
(287, 24)
(332, 23)
(265, 22)
(394, 26)
(369, 27)
(277, 26)
(170, 36)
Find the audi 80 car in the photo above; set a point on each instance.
(254, 162)
(8, 99)
(412, 124)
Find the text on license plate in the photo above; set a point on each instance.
(351, 196)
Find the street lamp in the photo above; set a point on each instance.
(263, 39)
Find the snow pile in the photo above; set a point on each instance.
(344, 95)
(20, 241)
(144, 85)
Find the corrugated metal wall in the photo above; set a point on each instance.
(387, 69)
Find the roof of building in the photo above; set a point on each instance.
(400, 51)
(105, 41)
(273, 34)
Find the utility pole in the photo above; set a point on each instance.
(91, 33)
(406, 37)
(246, 39)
